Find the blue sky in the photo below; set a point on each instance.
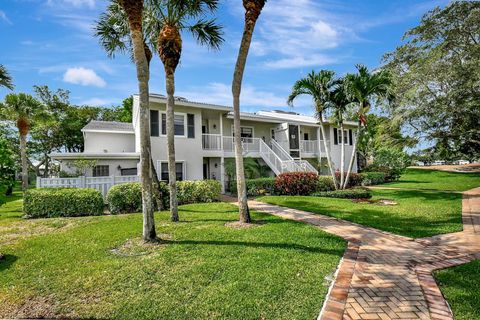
(50, 42)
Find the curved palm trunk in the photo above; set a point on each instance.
(23, 156)
(251, 16)
(327, 152)
(352, 157)
(134, 9)
(172, 175)
(342, 157)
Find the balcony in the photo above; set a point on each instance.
(213, 142)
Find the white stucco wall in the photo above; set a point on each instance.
(98, 142)
(68, 166)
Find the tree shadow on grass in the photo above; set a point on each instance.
(7, 261)
(286, 246)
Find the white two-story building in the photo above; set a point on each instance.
(285, 141)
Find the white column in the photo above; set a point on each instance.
(319, 146)
(221, 133)
(222, 173)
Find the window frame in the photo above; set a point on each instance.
(157, 123)
(96, 168)
(185, 126)
(159, 169)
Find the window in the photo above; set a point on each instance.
(350, 136)
(178, 124)
(128, 172)
(335, 136)
(154, 125)
(345, 136)
(164, 171)
(190, 125)
(101, 171)
(246, 132)
(305, 136)
(338, 136)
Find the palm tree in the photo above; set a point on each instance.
(134, 11)
(5, 78)
(253, 8)
(319, 86)
(21, 108)
(364, 87)
(170, 19)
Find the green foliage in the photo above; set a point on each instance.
(437, 78)
(325, 183)
(83, 165)
(390, 161)
(198, 191)
(125, 198)
(252, 167)
(8, 166)
(355, 193)
(296, 183)
(5, 78)
(373, 178)
(51, 203)
(256, 187)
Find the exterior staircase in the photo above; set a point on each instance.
(280, 161)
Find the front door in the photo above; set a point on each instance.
(293, 137)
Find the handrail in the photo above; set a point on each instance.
(278, 149)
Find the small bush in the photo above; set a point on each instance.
(52, 203)
(373, 178)
(325, 183)
(354, 180)
(125, 198)
(355, 193)
(198, 191)
(296, 183)
(256, 187)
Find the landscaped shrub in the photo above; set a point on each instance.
(325, 183)
(296, 183)
(390, 161)
(354, 180)
(125, 198)
(373, 178)
(256, 187)
(198, 191)
(51, 203)
(354, 193)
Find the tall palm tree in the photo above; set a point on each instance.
(21, 108)
(5, 78)
(170, 19)
(134, 11)
(253, 8)
(364, 87)
(319, 86)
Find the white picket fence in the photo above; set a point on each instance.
(102, 184)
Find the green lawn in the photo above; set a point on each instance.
(418, 214)
(461, 287)
(436, 180)
(65, 267)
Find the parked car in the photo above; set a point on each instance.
(439, 163)
(420, 163)
(462, 162)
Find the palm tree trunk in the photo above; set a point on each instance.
(133, 9)
(236, 89)
(342, 158)
(327, 152)
(172, 172)
(23, 156)
(352, 157)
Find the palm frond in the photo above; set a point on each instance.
(5, 78)
(207, 33)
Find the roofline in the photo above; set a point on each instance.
(155, 98)
(82, 155)
(108, 131)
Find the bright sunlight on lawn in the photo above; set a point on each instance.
(204, 270)
(436, 180)
(417, 214)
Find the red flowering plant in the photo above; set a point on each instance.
(296, 183)
(354, 180)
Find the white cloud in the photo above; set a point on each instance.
(4, 17)
(84, 77)
(298, 34)
(74, 3)
(221, 93)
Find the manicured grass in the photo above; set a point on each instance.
(436, 180)
(204, 270)
(461, 287)
(418, 214)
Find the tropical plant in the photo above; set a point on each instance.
(253, 8)
(319, 86)
(5, 78)
(21, 108)
(364, 88)
(131, 37)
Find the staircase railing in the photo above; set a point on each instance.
(280, 151)
(271, 158)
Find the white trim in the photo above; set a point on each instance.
(107, 131)
(250, 127)
(81, 155)
(184, 167)
(185, 126)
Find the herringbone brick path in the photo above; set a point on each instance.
(386, 276)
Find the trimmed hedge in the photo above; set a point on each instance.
(373, 178)
(127, 198)
(296, 183)
(355, 193)
(256, 187)
(52, 203)
(325, 183)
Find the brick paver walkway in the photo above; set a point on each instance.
(386, 276)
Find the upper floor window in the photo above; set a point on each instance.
(154, 125)
(183, 125)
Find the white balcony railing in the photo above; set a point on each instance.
(211, 141)
(309, 146)
(248, 144)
